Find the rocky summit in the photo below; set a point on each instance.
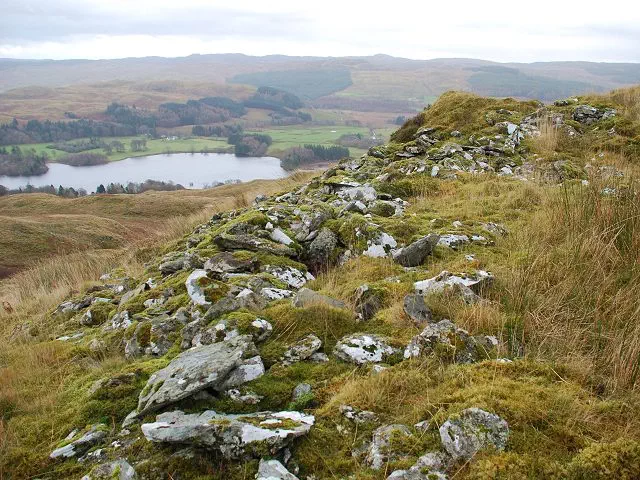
(402, 315)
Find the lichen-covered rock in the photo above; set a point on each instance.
(464, 435)
(414, 254)
(381, 246)
(451, 343)
(117, 470)
(273, 470)
(226, 262)
(368, 301)
(416, 308)
(194, 370)
(362, 348)
(234, 436)
(357, 415)
(301, 350)
(248, 242)
(301, 390)
(289, 275)
(307, 297)
(588, 115)
(430, 466)
(320, 252)
(467, 285)
(380, 451)
(80, 443)
(246, 299)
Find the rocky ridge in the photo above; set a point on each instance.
(230, 318)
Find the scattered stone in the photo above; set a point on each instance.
(358, 416)
(279, 236)
(368, 301)
(247, 242)
(379, 451)
(319, 357)
(234, 436)
(363, 348)
(319, 253)
(416, 308)
(430, 466)
(275, 293)
(588, 115)
(75, 448)
(464, 435)
(467, 285)
(301, 390)
(194, 370)
(291, 276)
(116, 470)
(273, 470)
(194, 289)
(226, 262)
(452, 343)
(414, 254)
(301, 350)
(452, 240)
(381, 246)
(307, 297)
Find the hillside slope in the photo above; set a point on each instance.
(460, 303)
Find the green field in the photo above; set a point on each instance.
(287, 137)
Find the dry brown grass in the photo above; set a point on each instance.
(576, 294)
(547, 142)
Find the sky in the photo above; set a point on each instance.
(542, 30)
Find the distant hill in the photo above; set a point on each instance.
(339, 80)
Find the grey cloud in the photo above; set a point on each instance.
(40, 20)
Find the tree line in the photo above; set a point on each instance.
(15, 161)
(297, 156)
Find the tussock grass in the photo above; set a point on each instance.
(576, 293)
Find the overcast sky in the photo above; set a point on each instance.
(488, 29)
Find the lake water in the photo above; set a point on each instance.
(191, 170)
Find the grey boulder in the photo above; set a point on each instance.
(208, 366)
(414, 254)
(464, 435)
(226, 262)
(234, 436)
(416, 308)
(320, 250)
(452, 343)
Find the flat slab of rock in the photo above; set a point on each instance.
(234, 436)
(307, 297)
(208, 366)
(464, 435)
(225, 262)
(414, 254)
(273, 470)
(247, 242)
(77, 446)
(363, 348)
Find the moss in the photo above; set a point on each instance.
(619, 460)
(101, 312)
(290, 324)
(143, 333)
(382, 209)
